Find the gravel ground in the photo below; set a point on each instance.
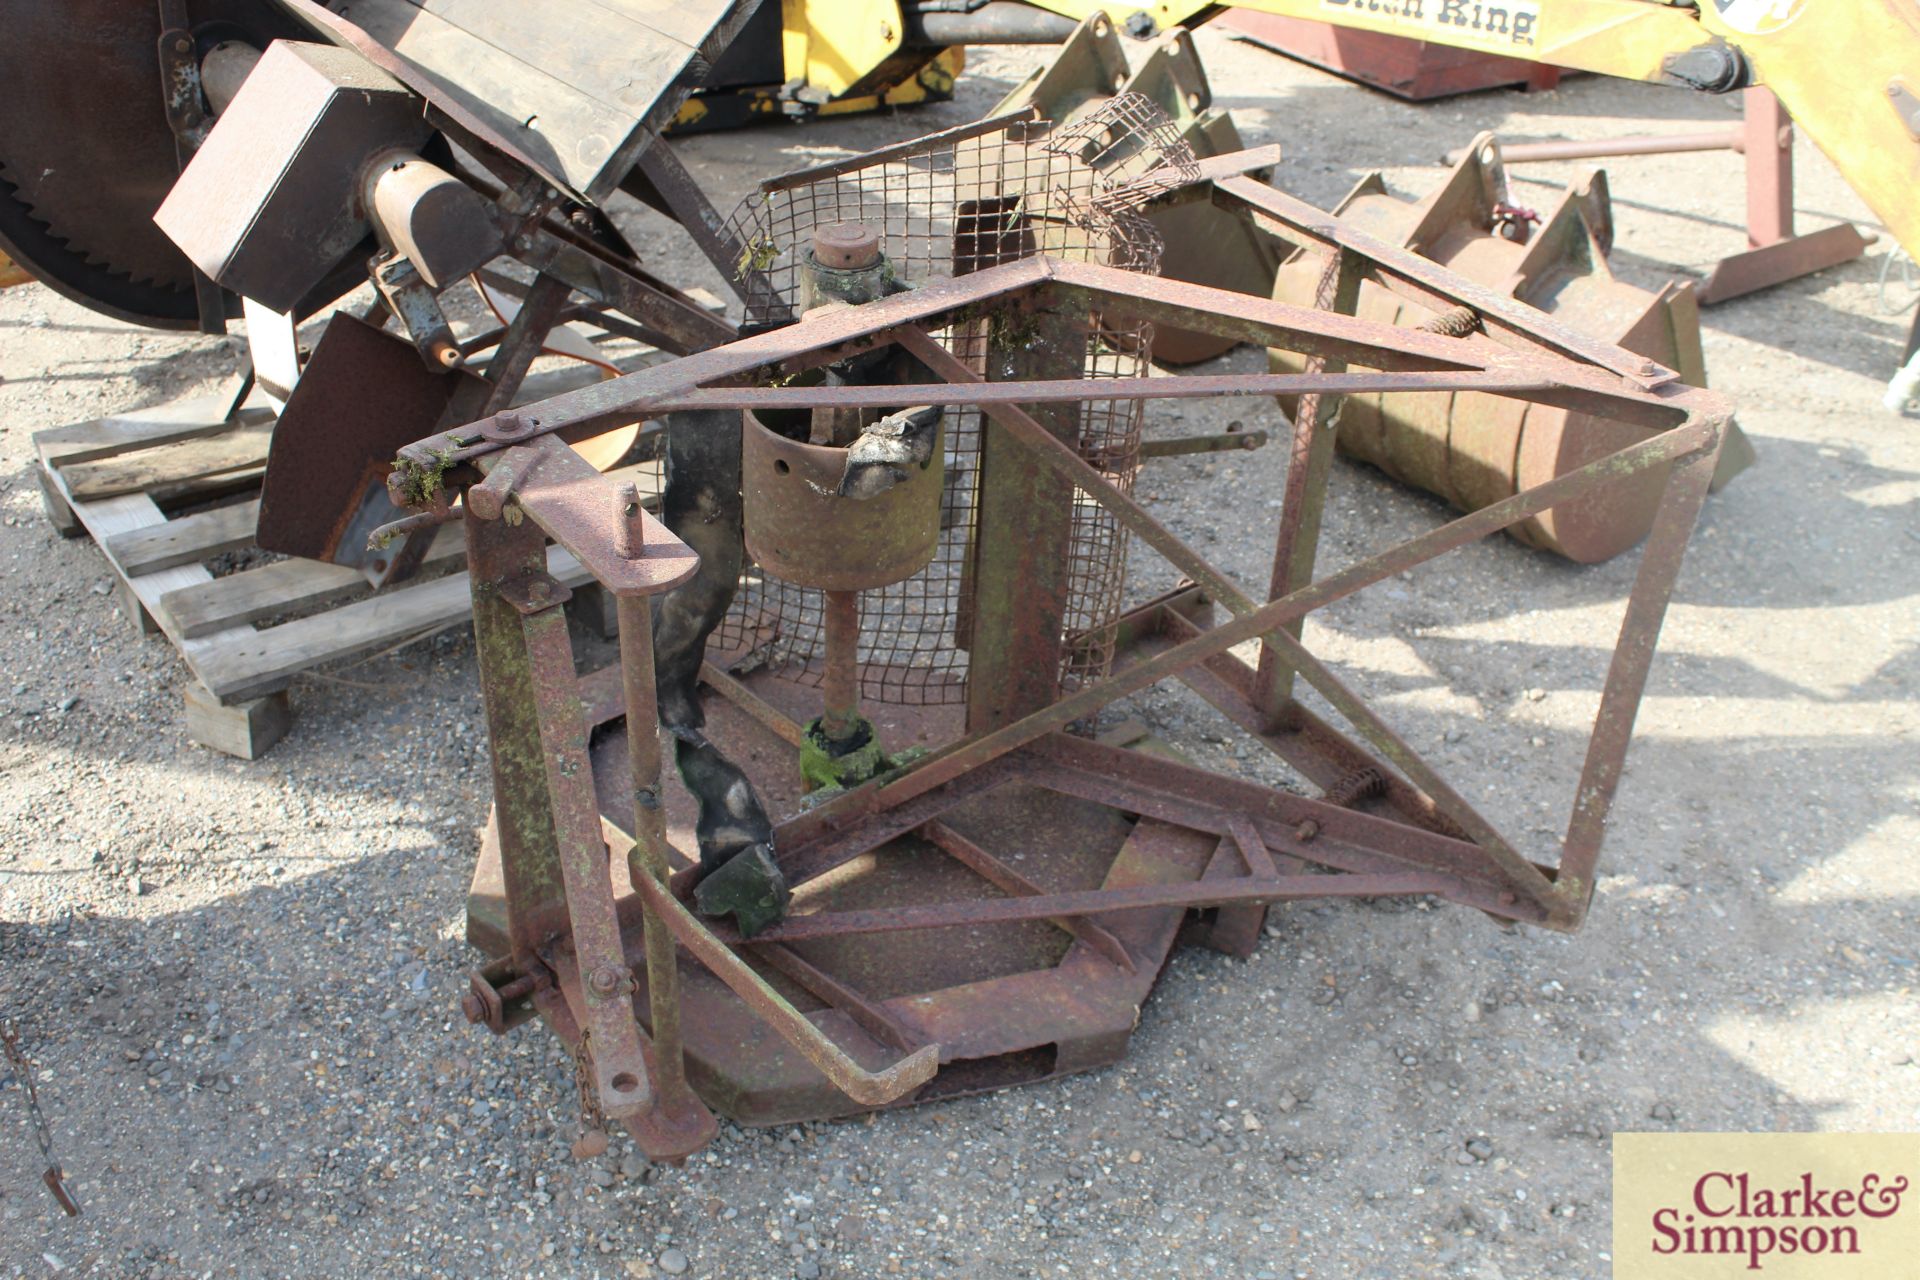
(238, 980)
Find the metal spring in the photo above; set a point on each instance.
(1362, 784)
(1455, 322)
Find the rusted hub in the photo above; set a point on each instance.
(846, 246)
(798, 527)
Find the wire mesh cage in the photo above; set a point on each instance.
(947, 205)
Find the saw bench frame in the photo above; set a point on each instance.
(674, 1017)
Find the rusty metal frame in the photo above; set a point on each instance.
(1421, 838)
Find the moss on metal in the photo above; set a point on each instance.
(830, 768)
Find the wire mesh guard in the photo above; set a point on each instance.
(945, 206)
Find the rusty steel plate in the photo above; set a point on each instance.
(799, 529)
(362, 395)
(1009, 1004)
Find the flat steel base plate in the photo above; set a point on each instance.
(1010, 1003)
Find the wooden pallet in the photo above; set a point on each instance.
(247, 635)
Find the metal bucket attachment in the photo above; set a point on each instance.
(1474, 449)
(1204, 244)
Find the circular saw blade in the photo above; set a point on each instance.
(86, 156)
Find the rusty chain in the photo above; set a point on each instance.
(23, 1070)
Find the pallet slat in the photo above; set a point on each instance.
(114, 479)
(239, 448)
(285, 586)
(187, 539)
(245, 663)
(161, 424)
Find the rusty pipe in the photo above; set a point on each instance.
(840, 682)
(1729, 138)
(436, 221)
(224, 69)
(930, 26)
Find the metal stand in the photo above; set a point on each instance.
(1775, 254)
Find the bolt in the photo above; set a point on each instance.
(1249, 442)
(1648, 368)
(1508, 898)
(471, 1006)
(1306, 831)
(629, 536)
(183, 45)
(605, 980)
(540, 589)
(1140, 25)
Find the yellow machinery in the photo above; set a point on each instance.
(1848, 73)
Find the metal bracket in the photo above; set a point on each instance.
(491, 990)
(187, 117)
(409, 298)
(535, 592)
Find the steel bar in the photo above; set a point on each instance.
(1523, 874)
(520, 345)
(1660, 563)
(1253, 850)
(1020, 557)
(939, 304)
(619, 1068)
(661, 167)
(1195, 386)
(1727, 138)
(1087, 902)
(948, 763)
(1007, 880)
(900, 151)
(1052, 452)
(529, 858)
(1224, 442)
(1768, 135)
(1272, 324)
(1297, 540)
(1317, 750)
(682, 326)
(1436, 287)
(869, 1088)
(648, 856)
(630, 396)
(871, 1018)
(1369, 342)
(788, 729)
(1290, 825)
(812, 843)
